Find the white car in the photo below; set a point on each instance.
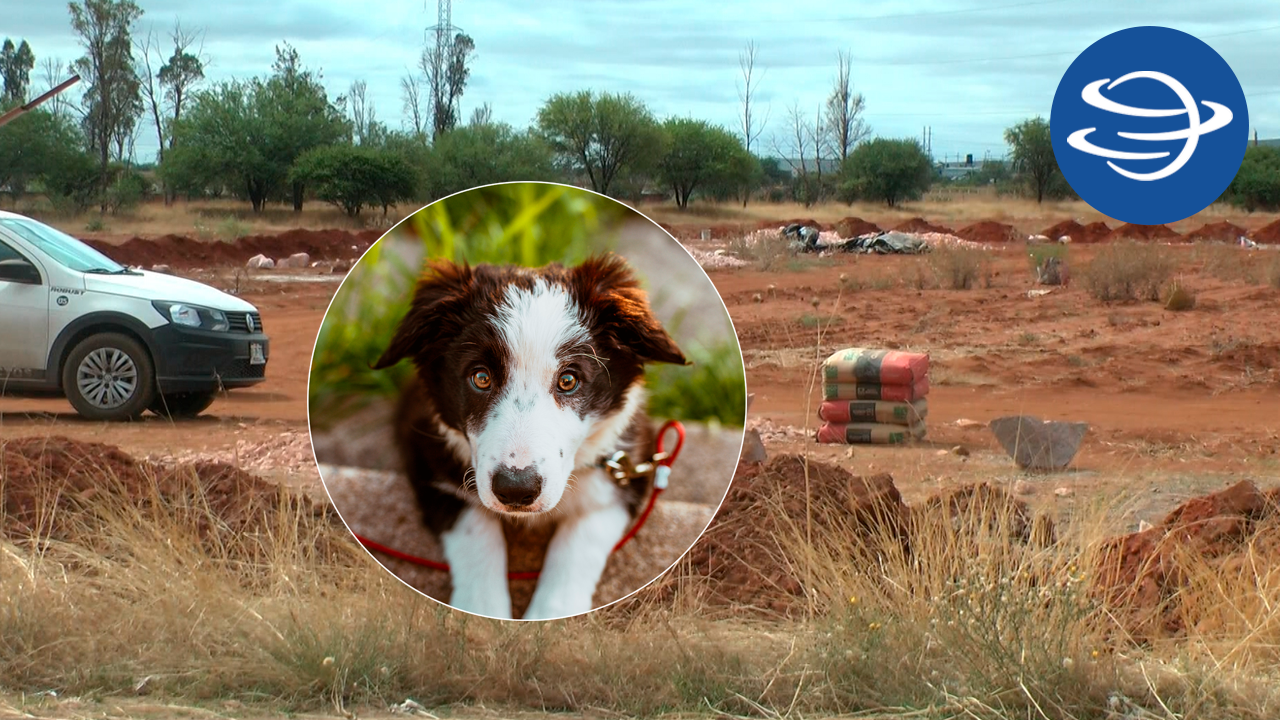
(116, 341)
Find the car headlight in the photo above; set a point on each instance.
(193, 316)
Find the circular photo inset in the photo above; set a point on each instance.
(527, 401)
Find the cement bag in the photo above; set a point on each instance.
(869, 433)
(874, 411)
(875, 391)
(886, 367)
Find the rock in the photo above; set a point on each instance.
(261, 262)
(296, 260)
(1063, 491)
(160, 268)
(848, 453)
(967, 424)
(960, 450)
(753, 448)
(1022, 487)
(943, 453)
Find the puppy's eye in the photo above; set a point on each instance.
(481, 380)
(567, 383)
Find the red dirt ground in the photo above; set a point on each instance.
(920, 225)
(1129, 231)
(1219, 231)
(989, 232)
(183, 252)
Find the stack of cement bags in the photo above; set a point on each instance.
(874, 396)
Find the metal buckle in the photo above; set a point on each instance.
(623, 471)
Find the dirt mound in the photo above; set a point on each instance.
(1129, 231)
(57, 487)
(1149, 572)
(775, 224)
(1220, 231)
(1267, 234)
(739, 553)
(1094, 232)
(1070, 228)
(183, 252)
(851, 227)
(920, 225)
(990, 232)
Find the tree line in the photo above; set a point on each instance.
(281, 138)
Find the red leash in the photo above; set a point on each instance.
(661, 477)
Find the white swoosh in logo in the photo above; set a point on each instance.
(1092, 94)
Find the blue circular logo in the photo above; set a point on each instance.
(1149, 125)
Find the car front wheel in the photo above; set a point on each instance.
(109, 377)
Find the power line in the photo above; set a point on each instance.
(963, 11)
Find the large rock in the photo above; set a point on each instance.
(260, 262)
(296, 260)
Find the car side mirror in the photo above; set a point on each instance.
(19, 271)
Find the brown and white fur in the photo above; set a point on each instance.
(525, 379)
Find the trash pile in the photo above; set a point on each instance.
(874, 397)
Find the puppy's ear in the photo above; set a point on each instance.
(443, 286)
(606, 287)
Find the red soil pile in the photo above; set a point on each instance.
(1217, 232)
(989, 232)
(739, 553)
(852, 227)
(1129, 231)
(1094, 232)
(1147, 574)
(1070, 228)
(184, 252)
(775, 224)
(1267, 234)
(920, 225)
(56, 488)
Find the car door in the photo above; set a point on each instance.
(24, 318)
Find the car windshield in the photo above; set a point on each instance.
(60, 246)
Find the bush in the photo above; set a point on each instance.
(353, 177)
(959, 268)
(1128, 271)
(126, 191)
(1256, 185)
(885, 170)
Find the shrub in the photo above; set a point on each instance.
(1128, 271)
(885, 170)
(959, 268)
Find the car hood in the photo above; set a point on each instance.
(158, 286)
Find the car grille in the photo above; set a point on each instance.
(240, 322)
(242, 370)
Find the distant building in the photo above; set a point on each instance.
(959, 169)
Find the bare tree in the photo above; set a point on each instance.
(482, 115)
(746, 94)
(446, 67)
(411, 92)
(52, 72)
(844, 110)
(363, 117)
(820, 138)
(181, 72)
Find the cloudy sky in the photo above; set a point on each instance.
(967, 68)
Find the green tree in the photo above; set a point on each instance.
(600, 135)
(355, 176)
(480, 154)
(1257, 183)
(297, 116)
(222, 142)
(112, 98)
(887, 170)
(698, 155)
(1033, 158)
(34, 148)
(15, 69)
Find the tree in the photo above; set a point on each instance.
(480, 154)
(701, 155)
(411, 95)
(888, 171)
(600, 135)
(298, 116)
(844, 110)
(167, 81)
(1032, 155)
(446, 69)
(795, 147)
(52, 70)
(15, 67)
(34, 147)
(222, 141)
(112, 98)
(482, 115)
(1257, 183)
(751, 129)
(354, 177)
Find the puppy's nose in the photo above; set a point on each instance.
(516, 488)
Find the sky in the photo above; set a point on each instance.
(966, 68)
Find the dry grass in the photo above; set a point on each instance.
(1129, 271)
(960, 268)
(973, 623)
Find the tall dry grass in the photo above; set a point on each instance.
(973, 622)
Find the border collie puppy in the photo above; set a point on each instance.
(526, 379)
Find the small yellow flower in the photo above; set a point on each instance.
(873, 626)
(1094, 654)
(853, 599)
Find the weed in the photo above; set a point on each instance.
(959, 268)
(1129, 271)
(767, 254)
(232, 229)
(95, 224)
